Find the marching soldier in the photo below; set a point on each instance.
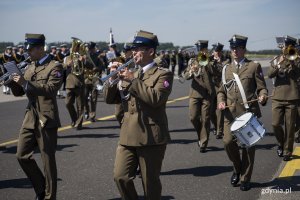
(144, 131)
(180, 62)
(40, 83)
(6, 57)
(233, 95)
(91, 79)
(217, 63)
(173, 61)
(53, 53)
(285, 97)
(201, 93)
(20, 55)
(76, 63)
(297, 131)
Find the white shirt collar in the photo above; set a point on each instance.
(241, 62)
(147, 67)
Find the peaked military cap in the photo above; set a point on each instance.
(21, 46)
(32, 39)
(92, 45)
(238, 41)
(202, 44)
(144, 38)
(63, 46)
(218, 47)
(288, 40)
(9, 47)
(53, 47)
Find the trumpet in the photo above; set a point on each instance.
(22, 66)
(120, 68)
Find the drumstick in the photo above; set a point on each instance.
(253, 100)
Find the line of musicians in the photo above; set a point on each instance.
(146, 91)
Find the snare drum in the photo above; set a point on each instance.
(248, 129)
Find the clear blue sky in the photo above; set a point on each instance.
(182, 22)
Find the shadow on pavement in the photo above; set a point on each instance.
(291, 182)
(13, 149)
(200, 171)
(141, 197)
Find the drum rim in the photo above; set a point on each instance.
(252, 114)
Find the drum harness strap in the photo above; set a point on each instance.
(236, 81)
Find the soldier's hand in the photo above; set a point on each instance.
(127, 74)
(221, 106)
(113, 67)
(18, 79)
(262, 99)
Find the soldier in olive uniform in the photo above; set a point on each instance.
(285, 98)
(40, 83)
(217, 63)
(297, 131)
(76, 63)
(91, 79)
(201, 95)
(144, 131)
(253, 85)
(6, 57)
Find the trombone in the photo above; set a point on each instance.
(289, 53)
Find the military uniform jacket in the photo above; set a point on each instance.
(43, 83)
(285, 85)
(202, 85)
(216, 68)
(254, 85)
(145, 121)
(76, 81)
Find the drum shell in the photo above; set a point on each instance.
(249, 133)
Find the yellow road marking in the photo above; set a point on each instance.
(87, 122)
(291, 166)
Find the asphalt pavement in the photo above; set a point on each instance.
(85, 158)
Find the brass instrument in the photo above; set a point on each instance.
(77, 50)
(289, 53)
(120, 68)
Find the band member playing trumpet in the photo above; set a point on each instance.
(284, 70)
(232, 94)
(201, 93)
(144, 131)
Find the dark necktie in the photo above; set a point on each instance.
(141, 74)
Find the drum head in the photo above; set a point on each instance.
(241, 121)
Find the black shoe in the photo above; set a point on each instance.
(235, 178)
(73, 124)
(297, 140)
(202, 149)
(219, 136)
(40, 196)
(93, 120)
(245, 186)
(86, 116)
(279, 151)
(79, 127)
(287, 157)
(214, 131)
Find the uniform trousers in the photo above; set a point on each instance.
(78, 95)
(149, 159)
(199, 109)
(243, 164)
(217, 117)
(284, 113)
(90, 89)
(46, 140)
